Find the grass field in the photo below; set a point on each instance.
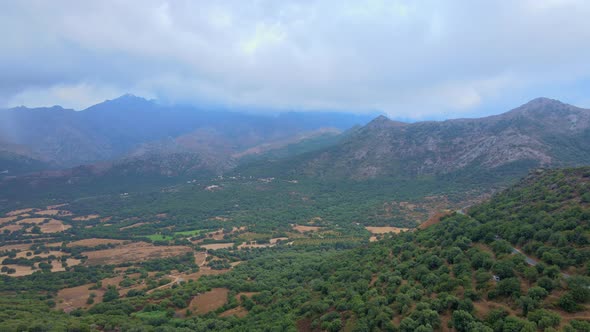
(162, 237)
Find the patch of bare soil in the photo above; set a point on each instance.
(54, 226)
(69, 299)
(20, 270)
(72, 298)
(53, 207)
(133, 252)
(216, 235)
(215, 246)
(237, 311)
(57, 266)
(133, 226)
(53, 213)
(22, 246)
(385, 230)
(93, 242)
(209, 301)
(277, 239)
(19, 212)
(11, 228)
(303, 229)
(7, 219)
(434, 219)
(246, 294)
(86, 218)
(23, 254)
(36, 221)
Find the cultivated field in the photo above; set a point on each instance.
(385, 230)
(86, 218)
(215, 246)
(19, 212)
(303, 229)
(133, 252)
(94, 242)
(209, 301)
(7, 219)
(53, 213)
(54, 226)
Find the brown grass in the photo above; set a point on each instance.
(7, 219)
(23, 254)
(215, 246)
(19, 212)
(57, 267)
(69, 299)
(216, 235)
(373, 239)
(20, 270)
(52, 207)
(209, 301)
(31, 221)
(133, 252)
(133, 226)
(434, 219)
(11, 228)
(246, 294)
(22, 246)
(237, 311)
(86, 218)
(302, 229)
(254, 245)
(385, 230)
(53, 213)
(54, 226)
(277, 239)
(93, 242)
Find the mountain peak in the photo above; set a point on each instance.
(382, 121)
(126, 101)
(543, 102)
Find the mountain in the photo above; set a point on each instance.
(127, 125)
(543, 132)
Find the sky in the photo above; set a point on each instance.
(407, 59)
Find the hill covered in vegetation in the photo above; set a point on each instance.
(464, 273)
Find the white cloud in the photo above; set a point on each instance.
(407, 58)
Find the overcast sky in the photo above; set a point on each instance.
(408, 59)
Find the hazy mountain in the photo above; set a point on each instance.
(127, 125)
(543, 132)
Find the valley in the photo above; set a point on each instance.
(268, 243)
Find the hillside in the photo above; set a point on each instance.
(543, 132)
(460, 274)
(129, 124)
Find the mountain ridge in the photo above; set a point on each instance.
(543, 131)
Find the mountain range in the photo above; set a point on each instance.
(132, 126)
(131, 135)
(540, 133)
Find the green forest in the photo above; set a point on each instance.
(519, 261)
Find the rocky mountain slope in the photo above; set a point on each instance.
(131, 126)
(543, 132)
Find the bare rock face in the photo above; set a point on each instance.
(543, 132)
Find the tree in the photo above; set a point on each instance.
(461, 320)
(508, 287)
(537, 293)
(111, 294)
(567, 302)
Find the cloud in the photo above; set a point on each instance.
(412, 59)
